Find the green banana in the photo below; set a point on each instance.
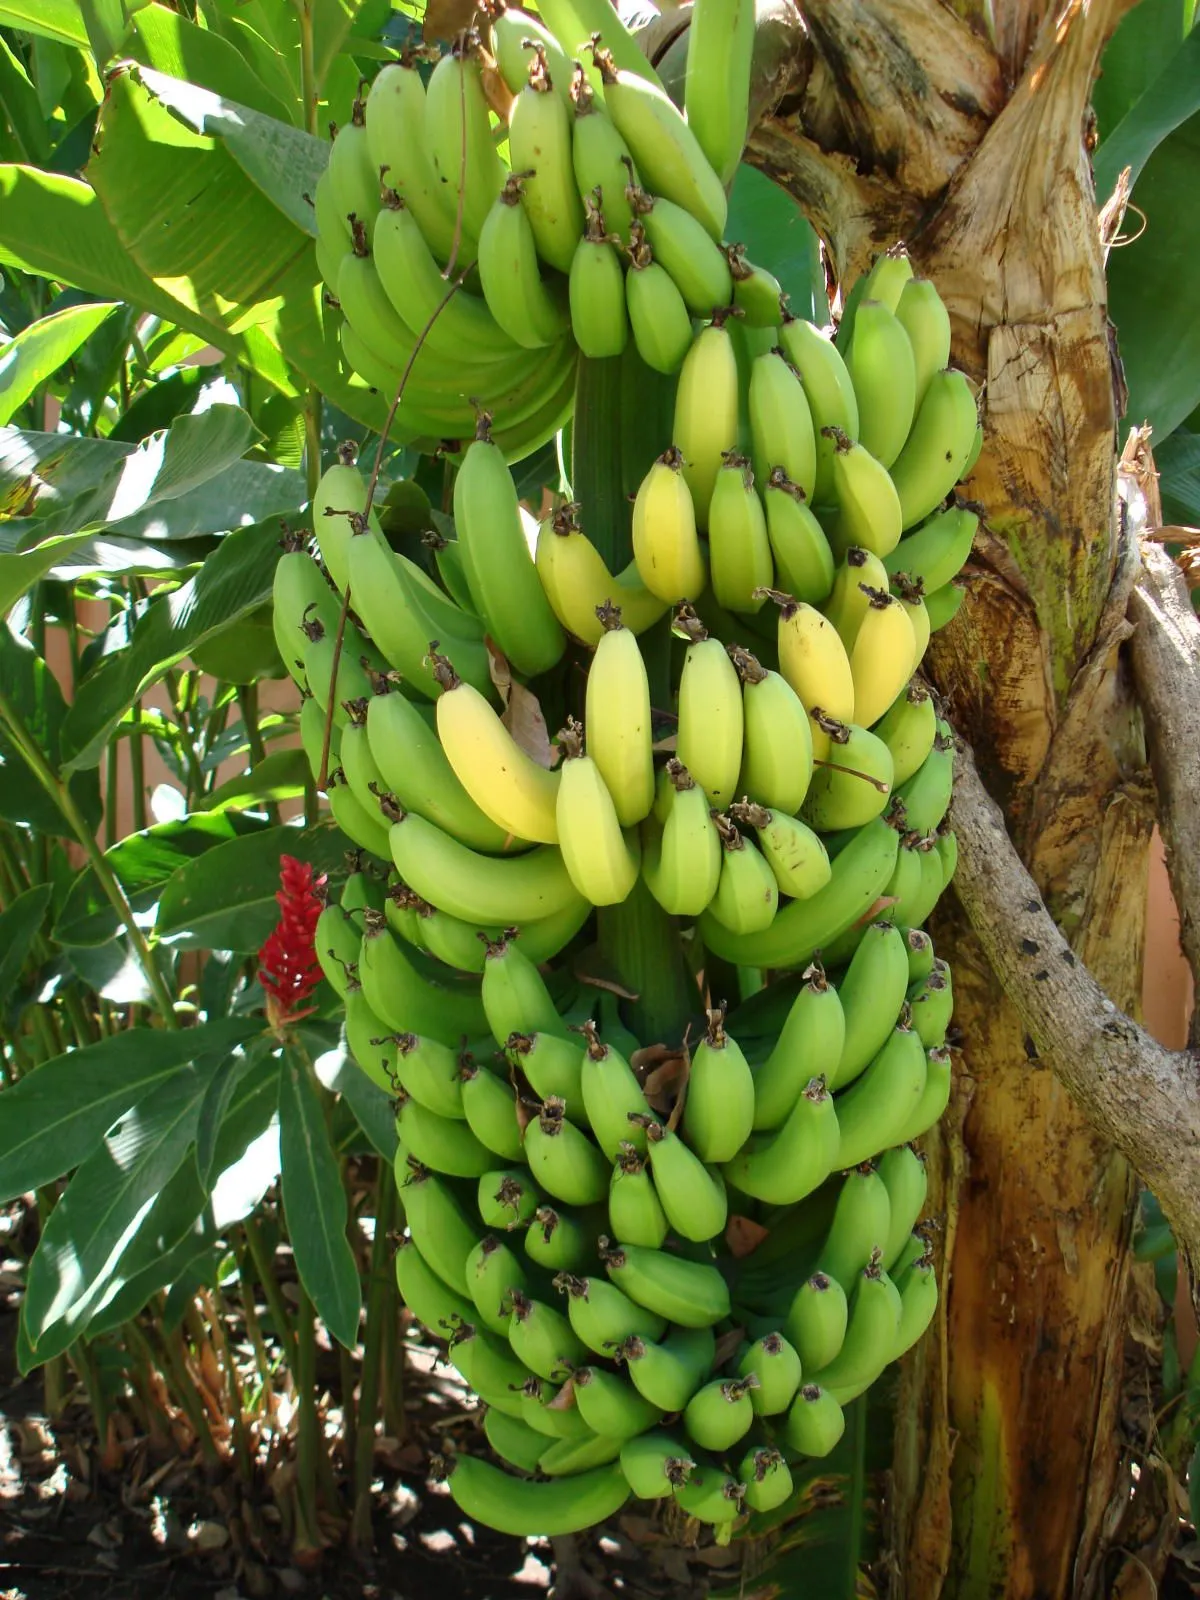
(596, 290)
(757, 293)
(924, 318)
(716, 94)
(507, 1198)
(522, 303)
(875, 1311)
(767, 1479)
(947, 850)
(353, 175)
(739, 551)
(794, 853)
(719, 1108)
(879, 1104)
(785, 1166)
(853, 785)
(444, 1146)
(902, 1172)
(405, 996)
(542, 1338)
(690, 1293)
(514, 994)
(920, 955)
(934, 553)
(882, 370)
(932, 1005)
(300, 592)
(435, 1305)
(613, 1100)
(552, 1412)
(429, 1072)
(655, 1464)
(666, 150)
(567, 1457)
(669, 1373)
(869, 514)
(523, 1507)
(776, 1364)
(706, 413)
(539, 147)
(494, 1275)
(658, 316)
(926, 795)
(747, 896)
(808, 1046)
(600, 157)
(803, 558)
(815, 1423)
(635, 1213)
(721, 1412)
(490, 1108)
(859, 1229)
(711, 1496)
(602, 860)
(692, 1194)
(510, 28)
(781, 423)
(682, 245)
(559, 1241)
(563, 1160)
(483, 890)
(604, 1318)
(777, 750)
(458, 137)
(337, 943)
(611, 1406)
(710, 716)
(351, 817)
(934, 1098)
(512, 1440)
(367, 1038)
(552, 1064)
(682, 866)
(939, 443)
(829, 392)
(872, 992)
(908, 730)
(918, 1302)
(816, 1321)
(439, 1227)
(503, 579)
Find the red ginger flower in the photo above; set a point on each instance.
(288, 967)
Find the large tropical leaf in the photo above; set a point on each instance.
(54, 1116)
(19, 925)
(166, 41)
(33, 696)
(60, 20)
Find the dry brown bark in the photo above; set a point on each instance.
(962, 129)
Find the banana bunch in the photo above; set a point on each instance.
(742, 730)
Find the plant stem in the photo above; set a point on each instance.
(378, 1309)
(308, 1442)
(137, 769)
(640, 943)
(62, 797)
(247, 698)
(275, 1301)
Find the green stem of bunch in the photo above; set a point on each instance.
(640, 943)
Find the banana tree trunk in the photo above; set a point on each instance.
(962, 129)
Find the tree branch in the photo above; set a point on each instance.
(1165, 651)
(1139, 1095)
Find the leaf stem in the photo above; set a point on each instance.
(379, 1308)
(60, 793)
(308, 1422)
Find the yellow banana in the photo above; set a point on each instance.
(602, 861)
(813, 659)
(883, 657)
(577, 581)
(869, 511)
(617, 715)
(711, 721)
(781, 423)
(859, 571)
(706, 413)
(777, 754)
(665, 542)
(506, 784)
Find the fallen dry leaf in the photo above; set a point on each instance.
(446, 19)
(522, 714)
(743, 1236)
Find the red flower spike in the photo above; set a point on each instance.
(288, 967)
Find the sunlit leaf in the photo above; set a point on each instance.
(41, 349)
(169, 43)
(50, 19)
